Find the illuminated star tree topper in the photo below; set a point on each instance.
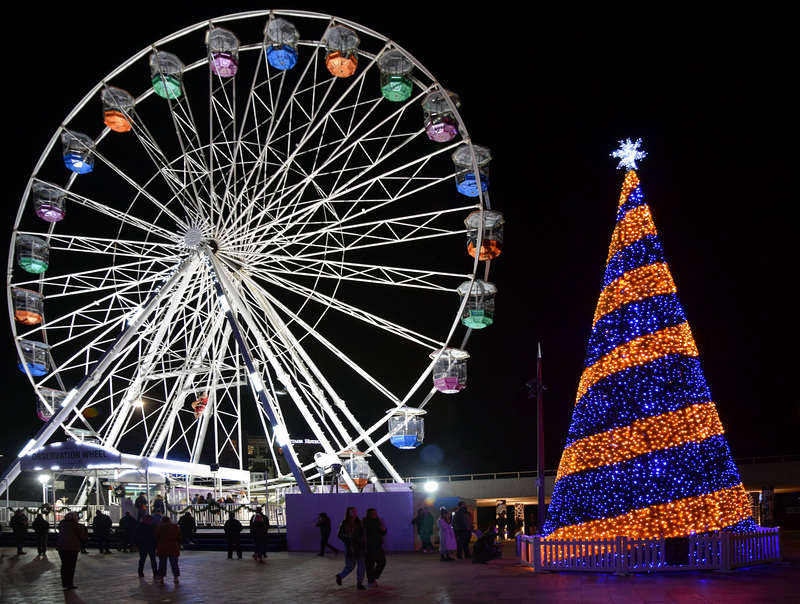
(628, 153)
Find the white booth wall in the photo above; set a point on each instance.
(395, 508)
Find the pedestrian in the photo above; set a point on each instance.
(426, 530)
(375, 559)
(101, 527)
(71, 536)
(462, 527)
(84, 541)
(447, 538)
(127, 524)
(141, 506)
(351, 533)
(19, 526)
(168, 546)
(188, 527)
(41, 528)
(259, 532)
(233, 531)
(145, 541)
(324, 524)
(502, 525)
(158, 505)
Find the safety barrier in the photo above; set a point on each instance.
(718, 551)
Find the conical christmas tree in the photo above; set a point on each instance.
(645, 456)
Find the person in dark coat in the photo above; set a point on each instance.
(351, 533)
(462, 526)
(145, 541)
(375, 559)
(168, 547)
(41, 529)
(188, 527)
(141, 506)
(158, 505)
(19, 526)
(485, 548)
(259, 531)
(71, 536)
(101, 527)
(233, 531)
(324, 524)
(425, 530)
(127, 524)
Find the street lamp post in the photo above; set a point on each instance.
(537, 387)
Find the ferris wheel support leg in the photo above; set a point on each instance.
(304, 360)
(278, 428)
(91, 379)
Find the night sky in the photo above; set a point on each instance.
(711, 88)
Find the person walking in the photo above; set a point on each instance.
(447, 538)
(324, 524)
(144, 540)
(168, 547)
(462, 527)
(375, 558)
(233, 531)
(351, 533)
(71, 535)
(41, 528)
(19, 527)
(259, 532)
(101, 527)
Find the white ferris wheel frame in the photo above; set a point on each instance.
(222, 222)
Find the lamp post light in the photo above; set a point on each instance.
(44, 479)
(431, 486)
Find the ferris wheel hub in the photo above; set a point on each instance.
(195, 235)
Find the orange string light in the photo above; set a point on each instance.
(638, 284)
(709, 512)
(641, 350)
(638, 223)
(691, 424)
(629, 184)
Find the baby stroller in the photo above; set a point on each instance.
(486, 548)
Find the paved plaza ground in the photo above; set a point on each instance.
(305, 578)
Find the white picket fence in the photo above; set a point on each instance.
(720, 551)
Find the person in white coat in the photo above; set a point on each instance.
(447, 537)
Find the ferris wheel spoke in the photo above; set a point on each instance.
(179, 180)
(123, 248)
(360, 199)
(362, 273)
(353, 312)
(408, 229)
(324, 410)
(121, 289)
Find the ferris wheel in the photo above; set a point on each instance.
(270, 222)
